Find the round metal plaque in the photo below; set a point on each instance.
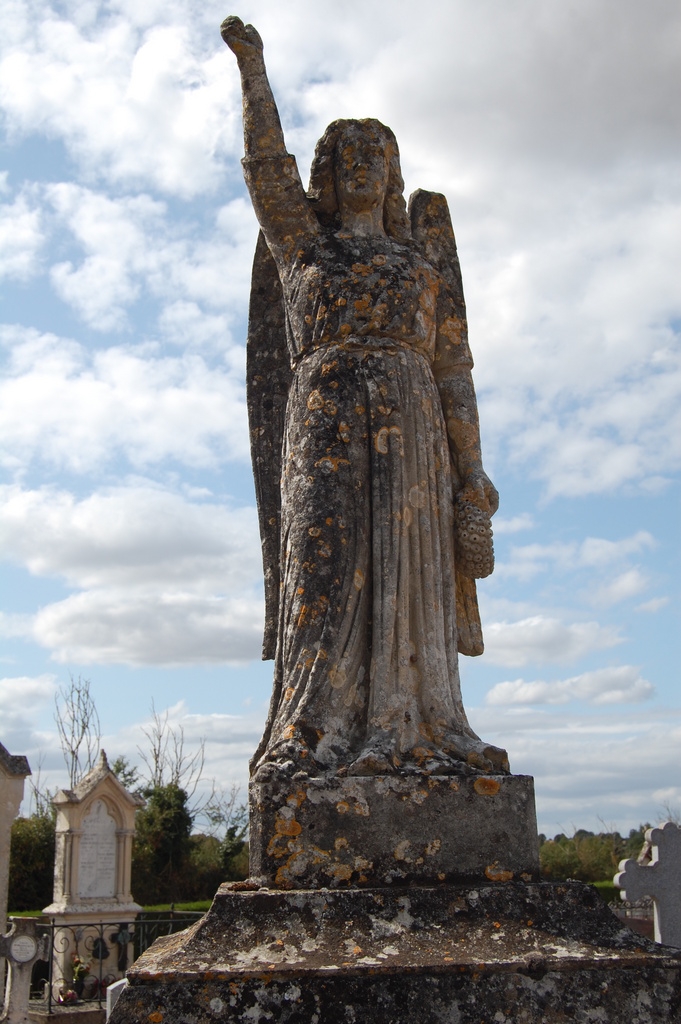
(23, 948)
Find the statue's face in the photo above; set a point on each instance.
(360, 171)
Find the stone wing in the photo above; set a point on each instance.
(431, 227)
(268, 378)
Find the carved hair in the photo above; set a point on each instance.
(322, 191)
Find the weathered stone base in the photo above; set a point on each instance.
(392, 829)
(78, 1014)
(497, 954)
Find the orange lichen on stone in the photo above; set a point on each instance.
(400, 851)
(486, 787)
(297, 798)
(495, 873)
(329, 464)
(288, 827)
(342, 872)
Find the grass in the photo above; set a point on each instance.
(608, 891)
(160, 908)
(163, 908)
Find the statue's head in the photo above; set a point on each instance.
(357, 165)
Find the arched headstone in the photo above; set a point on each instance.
(92, 897)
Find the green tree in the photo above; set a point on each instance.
(587, 856)
(31, 862)
(162, 845)
(558, 859)
(234, 845)
(633, 844)
(126, 773)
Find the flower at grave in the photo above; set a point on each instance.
(80, 967)
(67, 995)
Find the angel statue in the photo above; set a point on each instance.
(374, 506)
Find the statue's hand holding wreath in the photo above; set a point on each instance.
(479, 489)
(474, 505)
(243, 40)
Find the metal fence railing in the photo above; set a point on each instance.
(85, 957)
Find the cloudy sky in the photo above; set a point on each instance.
(128, 534)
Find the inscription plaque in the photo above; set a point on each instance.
(23, 949)
(97, 868)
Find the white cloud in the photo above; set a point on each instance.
(594, 552)
(184, 323)
(598, 551)
(17, 693)
(628, 584)
(129, 105)
(21, 237)
(132, 249)
(80, 410)
(543, 639)
(162, 580)
(515, 524)
(21, 699)
(593, 766)
(135, 536)
(230, 741)
(117, 627)
(653, 605)
(616, 685)
(114, 234)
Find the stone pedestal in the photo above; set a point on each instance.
(494, 954)
(471, 938)
(389, 830)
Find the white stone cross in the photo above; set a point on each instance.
(661, 879)
(21, 946)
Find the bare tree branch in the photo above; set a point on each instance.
(166, 761)
(40, 802)
(224, 816)
(78, 726)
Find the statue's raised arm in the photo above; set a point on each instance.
(271, 173)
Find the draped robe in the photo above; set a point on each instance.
(361, 579)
